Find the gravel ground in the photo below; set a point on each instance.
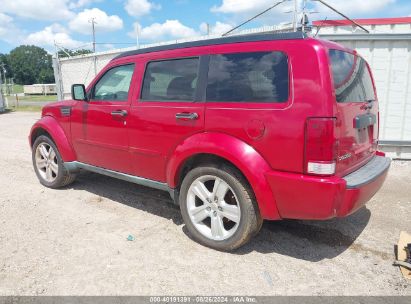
(74, 241)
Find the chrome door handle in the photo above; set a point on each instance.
(187, 116)
(122, 113)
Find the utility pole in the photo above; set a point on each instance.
(138, 35)
(304, 17)
(208, 29)
(295, 15)
(93, 22)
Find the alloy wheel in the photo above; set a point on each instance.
(213, 207)
(46, 162)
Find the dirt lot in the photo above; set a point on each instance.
(74, 241)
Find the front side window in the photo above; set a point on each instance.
(114, 85)
(352, 79)
(248, 77)
(171, 80)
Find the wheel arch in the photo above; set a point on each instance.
(50, 127)
(39, 131)
(218, 147)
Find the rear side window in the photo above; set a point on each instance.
(352, 79)
(248, 77)
(170, 80)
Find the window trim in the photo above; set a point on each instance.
(199, 78)
(91, 91)
(255, 103)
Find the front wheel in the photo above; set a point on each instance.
(48, 164)
(218, 207)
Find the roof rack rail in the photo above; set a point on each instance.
(218, 41)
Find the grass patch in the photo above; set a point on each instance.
(17, 88)
(26, 109)
(49, 98)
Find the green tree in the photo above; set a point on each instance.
(31, 64)
(4, 61)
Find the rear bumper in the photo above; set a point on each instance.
(301, 196)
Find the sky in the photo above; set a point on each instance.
(67, 22)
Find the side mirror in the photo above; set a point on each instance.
(78, 92)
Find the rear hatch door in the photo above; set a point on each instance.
(357, 110)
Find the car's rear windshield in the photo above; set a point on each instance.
(352, 79)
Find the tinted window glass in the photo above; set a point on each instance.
(115, 84)
(248, 77)
(352, 80)
(170, 80)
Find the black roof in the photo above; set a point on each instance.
(217, 41)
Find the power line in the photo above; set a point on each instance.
(115, 43)
(341, 14)
(256, 16)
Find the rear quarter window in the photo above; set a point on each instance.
(351, 77)
(248, 77)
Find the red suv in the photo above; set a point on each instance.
(237, 130)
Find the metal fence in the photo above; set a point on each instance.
(2, 100)
(12, 101)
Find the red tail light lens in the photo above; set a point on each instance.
(320, 146)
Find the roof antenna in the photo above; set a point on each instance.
(341, 14)
(256, 16)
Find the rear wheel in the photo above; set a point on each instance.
(218, 207)
(48, 164)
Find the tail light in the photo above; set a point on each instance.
(320, 146)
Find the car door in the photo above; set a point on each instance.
(99, 126)
(168, 110)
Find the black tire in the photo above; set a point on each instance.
(250, 221)
(63, 177)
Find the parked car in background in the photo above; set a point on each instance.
(237, 130)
